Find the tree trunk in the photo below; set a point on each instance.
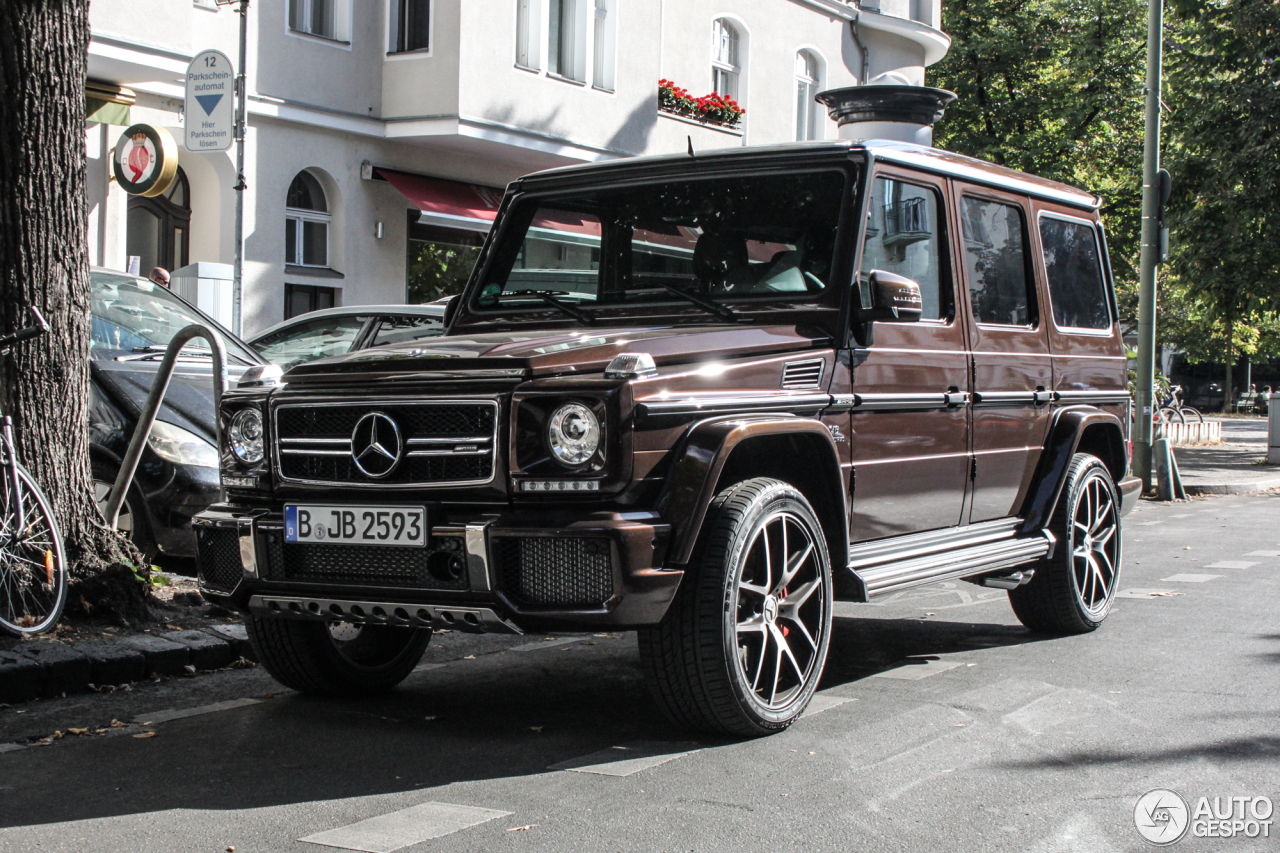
(44, 262)
(1227, 396)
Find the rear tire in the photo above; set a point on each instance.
(1191, 415)
(1072, 591)
(743, 645)
(349, 660)
(1170, 415)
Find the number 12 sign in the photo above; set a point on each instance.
(211, 83)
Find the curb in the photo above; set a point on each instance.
(1249, 487)
(50, 668)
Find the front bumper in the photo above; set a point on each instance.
(1130, 491)
(503, 571)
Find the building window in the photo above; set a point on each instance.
(528, 21)
(302, 298)
(808, 84)
(410, 25)
(565, 40)
(158, 230)
(330, 19)
(440, 261)
(306, 224)
(604, 41)
(725, 67)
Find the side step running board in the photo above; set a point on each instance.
(890, 566)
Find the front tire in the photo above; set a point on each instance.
(336, 658)
(743, 645)
(132, 523)
(1072, 591)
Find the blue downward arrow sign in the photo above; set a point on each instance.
(208, 102)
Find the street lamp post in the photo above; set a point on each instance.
(242, 96)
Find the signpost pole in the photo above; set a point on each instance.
(241, 99)
(1151, 250)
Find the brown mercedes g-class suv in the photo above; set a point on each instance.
(703, 397)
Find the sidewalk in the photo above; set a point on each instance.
(1233, 466)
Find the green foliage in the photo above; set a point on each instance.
(1054, 87)
(438, 269)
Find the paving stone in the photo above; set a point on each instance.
(113, 663)
(237, 637)
(65, 669)
(164, 657)
(21, 678)
(207, 651)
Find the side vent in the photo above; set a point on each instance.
(802, 374)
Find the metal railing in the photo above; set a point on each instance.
(151, 408)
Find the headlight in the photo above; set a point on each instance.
(573, 432)
(245, 436)
(177, 445)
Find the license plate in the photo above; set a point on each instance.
(356, 525)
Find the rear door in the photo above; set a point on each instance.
(1012, 370)
(910, 424)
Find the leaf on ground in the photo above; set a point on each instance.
(78, 732)
(432, 717)
(470, 657)
(172, 627)
(523, 828)
(191, 670)
(146, 734)
(116, 724)
(536, 728)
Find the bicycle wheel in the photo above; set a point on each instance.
(1170, 415)
(1191, 415)
(33, 567)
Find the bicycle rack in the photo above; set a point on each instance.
(152, 407)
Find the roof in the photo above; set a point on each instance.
(922, 157)
(430, 309)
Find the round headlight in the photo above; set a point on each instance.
(245, 436)
(573, 434)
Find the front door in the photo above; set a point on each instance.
(909, 422)
(1012, 369)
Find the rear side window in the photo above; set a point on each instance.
(995, 257)
(1076, 286)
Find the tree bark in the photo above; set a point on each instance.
(44, 262)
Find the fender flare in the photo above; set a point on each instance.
(1069, 426)
(699, 459)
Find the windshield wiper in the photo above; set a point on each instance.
(708, 305)
(549, 297)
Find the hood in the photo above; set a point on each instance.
(188, 403)
(548, 352)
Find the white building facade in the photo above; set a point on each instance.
(381, 133)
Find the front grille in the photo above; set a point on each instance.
(441, 442)
(555, 572)
(441, 565)
(218, 557)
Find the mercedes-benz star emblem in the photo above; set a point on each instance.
(375, 445)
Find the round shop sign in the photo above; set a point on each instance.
(146, 160)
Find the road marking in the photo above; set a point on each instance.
(175, 714)
(12, 747)
(1263, 554)
(546, 644)
(916, 671)
(1189, 578)
(628, 759)
(413, 825)
(822, 702)
(1231, 564)
(1145, 593)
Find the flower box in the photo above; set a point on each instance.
(715, 108)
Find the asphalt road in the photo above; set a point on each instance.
(941, 725)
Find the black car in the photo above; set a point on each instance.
(133, 321)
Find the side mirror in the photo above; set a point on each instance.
(894, 298)
(450, 310)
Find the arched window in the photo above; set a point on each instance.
(306, 224)
(726, 65)
(808, 84)
(158, 230)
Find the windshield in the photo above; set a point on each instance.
(703, 244)
(136, 316)
(307, 341)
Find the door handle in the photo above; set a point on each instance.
(955, 397)
(1042, 396)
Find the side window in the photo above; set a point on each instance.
(995, 257)
(1076, 287)
(314, 339)
(905, 237)
(398, 328)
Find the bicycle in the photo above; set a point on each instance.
(1174, 411)
(33, 566)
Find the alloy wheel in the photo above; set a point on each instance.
(1095, 546)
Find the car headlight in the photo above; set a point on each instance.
(244, 435)
(177, 445)
(573, 433)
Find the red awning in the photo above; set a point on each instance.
(450, 204)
